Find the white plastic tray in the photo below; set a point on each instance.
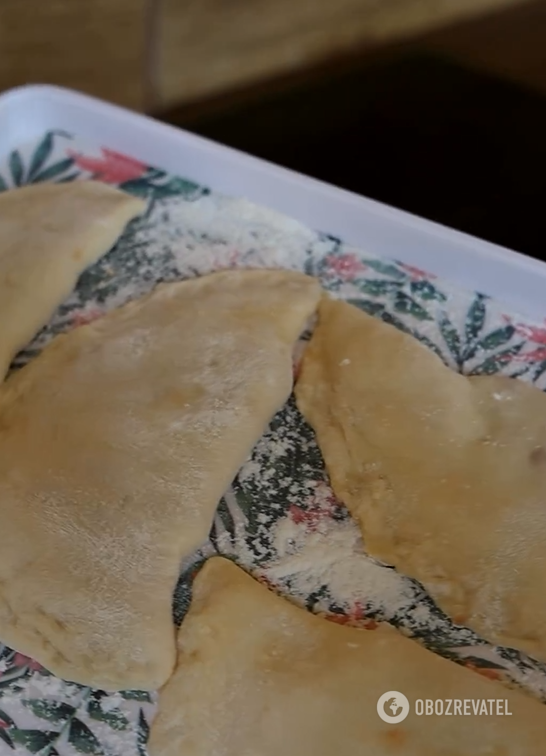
(516, 279)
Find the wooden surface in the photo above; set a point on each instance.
(153, 54)
(97, 46)
(208, 46)
(510, 44)
(424, 134)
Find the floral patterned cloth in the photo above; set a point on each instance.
(279, 519)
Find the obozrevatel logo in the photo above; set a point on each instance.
(393, 707)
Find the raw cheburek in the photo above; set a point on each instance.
(258, 675)
(116, 445)
(49, 233)
(445, 474)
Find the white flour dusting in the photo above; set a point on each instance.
(332, 555)
(280, 519)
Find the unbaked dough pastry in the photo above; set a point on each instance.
(116, 445)
(258, 676)
(445, 474)
(49, 233)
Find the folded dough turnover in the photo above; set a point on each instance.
(49, 233)
(258, 675)
(445, 474)
(116, 445)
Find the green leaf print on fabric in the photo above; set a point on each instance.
(427, 291)
(136, 695)
(41, 155)
(5, 738)
(54, 172)
(493, 340)
(83, 740)
(140, 187)
(477, 343)
(539, 370)
(34, 741)
(150, 185)
(430, 345)
(178, 187)
(223, 524)
(16, 167)
(385, 268)
(69, 177)
(379, 287)
(38, 170)
(372, 308)
(181, 599)
(143, 734)
(451, 338)
(405, 304)
(5, 720)
(475, 319)
(393, 320)
(497, 362)
(113, 717)
(53, 711)
(13, 678)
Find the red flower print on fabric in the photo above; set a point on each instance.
(85, 317)
(346, 266)
(416, 274)
(491, 674)
(535, 355)
(264, 580)
(112, 168)
(20, 660)
(319, 506)
(533, 334)
(354, 617)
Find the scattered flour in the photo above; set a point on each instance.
(332, 556)
(280, 519)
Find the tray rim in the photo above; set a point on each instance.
(515, 279)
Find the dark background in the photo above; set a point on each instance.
(415, 129)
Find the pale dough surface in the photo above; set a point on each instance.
(116, 445)
(49, 233)
(258, 676)
(445, 474)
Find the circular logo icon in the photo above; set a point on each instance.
(393, 707)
